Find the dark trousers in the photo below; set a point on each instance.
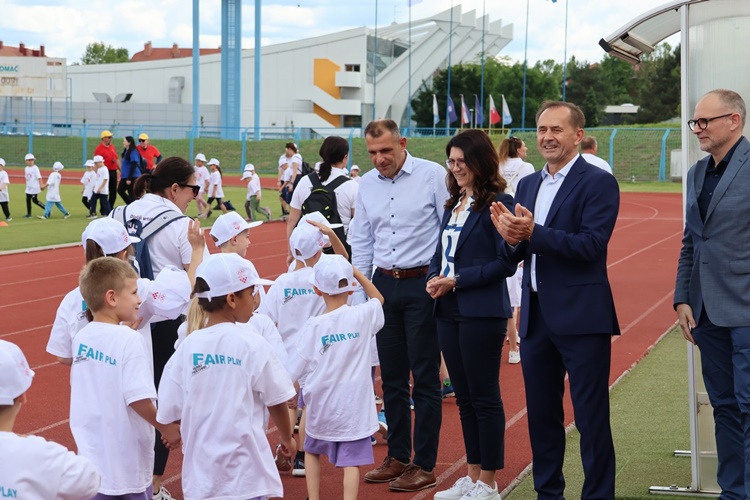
(472, 349)
(33, 198)
(125, 190)
(104, 207)
(725, 363)
(163, 337)
(545, 357)
(112, 187)
(6, 212)
(408, 344)
(85, 202)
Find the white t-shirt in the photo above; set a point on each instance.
(267, 329)
(215, 181)
(33, 176)
(290, 302)
(4, 179)
(201, 176)
(88, 183)
(32, 467)
(218, 383)
(253, 186)
(286, 176)
(102, 175)
(110, 371)
(170, 246)
(597, 162)
(513, 170)
(333, 351)
(346, 195)
(53, 186)
(284, 162)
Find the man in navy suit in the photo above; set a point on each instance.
(563, 220)
(712, 291)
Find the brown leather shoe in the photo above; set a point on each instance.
(413, 479)
(389, 470)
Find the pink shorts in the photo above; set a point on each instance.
(343, 453)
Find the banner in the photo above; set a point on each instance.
(478, 113)
(507, 119)
(465, 117)
(494, 115)
(435, 112)
(452, 117)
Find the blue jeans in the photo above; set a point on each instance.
(725, 362)
(50, 204)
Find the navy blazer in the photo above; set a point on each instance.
(482, 264)
(571, 252)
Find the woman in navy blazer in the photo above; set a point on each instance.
(467, 280)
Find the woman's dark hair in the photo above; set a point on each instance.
(333, 150)
(130, 147)
(94, 251)
(172, 170)
(480, 157)
(292, 146)
(216, 303)
(509, 149)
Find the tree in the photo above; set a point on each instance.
(100, 53)
(658, 85)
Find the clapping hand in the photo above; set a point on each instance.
(514, 228)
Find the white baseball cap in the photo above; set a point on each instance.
(57, 166)
(29, 157)
(318, 217)
(169, 293)
(354, 167)
(15, 374)
(249, 166)
(200, 157)
(98, 159)
(2, 162)
(214, 161)
(229, 225)
(89, 163)
(306, 240)
(109, 234)
(226, 273)
(329, 271)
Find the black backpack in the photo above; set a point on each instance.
(305, 169)
(135, 228)
(323, 199)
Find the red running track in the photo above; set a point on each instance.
(642, 264)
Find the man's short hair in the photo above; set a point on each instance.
(577, 118)
(733, 100)
(376, 128)
(588, 143)
(101, 275)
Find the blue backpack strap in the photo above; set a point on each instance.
(160, 222)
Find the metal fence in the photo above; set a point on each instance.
(636, 154)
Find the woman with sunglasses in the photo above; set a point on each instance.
(466, 279)
(130, 169)
(170, 187)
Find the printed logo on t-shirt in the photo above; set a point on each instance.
(329, 340)
(290, 293)
(86, 353)
(202, 361)
(82, 315)
(7, 492)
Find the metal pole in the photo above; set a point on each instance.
(450, 49)
(525, 64)
(408, 97)
(375, 64)
(481, 85)
(196, 70)
(565, 53)
(256, 101)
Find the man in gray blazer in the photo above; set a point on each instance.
(712, 292)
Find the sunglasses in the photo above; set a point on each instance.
(196, 189)
(141, 140)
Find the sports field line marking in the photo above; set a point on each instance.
(678, 233)
(17, 332)
(640, 318)
(41, 278)
(54, 363)
(35, 263)
(48, 427)
(32, 301)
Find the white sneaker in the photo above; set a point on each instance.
(163, 494)
(514, 357)
(456, 492)
(482, 491)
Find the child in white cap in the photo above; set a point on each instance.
(88, 178)
(215, 191)
(4, 195)
(53, 192)
(30, 466)
(166, 296)
(354, 173)
(33, 184)
(335, 346)
(112, 393)
(202, 176)
(101, 189)
(218, 383)
(254, 194)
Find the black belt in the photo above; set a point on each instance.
(400, 274)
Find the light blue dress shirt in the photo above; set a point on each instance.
(396, 222)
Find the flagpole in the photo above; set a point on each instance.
(481, 85)
(565, 53)
(450, 49)
(375, 64)
(525, 48)
(408, 97)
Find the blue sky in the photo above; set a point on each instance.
(65, 27)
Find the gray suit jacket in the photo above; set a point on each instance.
(714, 266)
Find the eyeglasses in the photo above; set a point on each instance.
(141, 140)
(455, 163)
(196, 189)
(702, 123)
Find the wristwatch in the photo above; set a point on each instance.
(456, 284)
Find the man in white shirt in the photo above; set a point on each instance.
(395, 228)
(589, 147)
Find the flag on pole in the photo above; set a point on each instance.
(494, 115)
(415, 2)
(465, 117)
(452, 117)
(507, 119)
(478, 113)
(435, 112)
